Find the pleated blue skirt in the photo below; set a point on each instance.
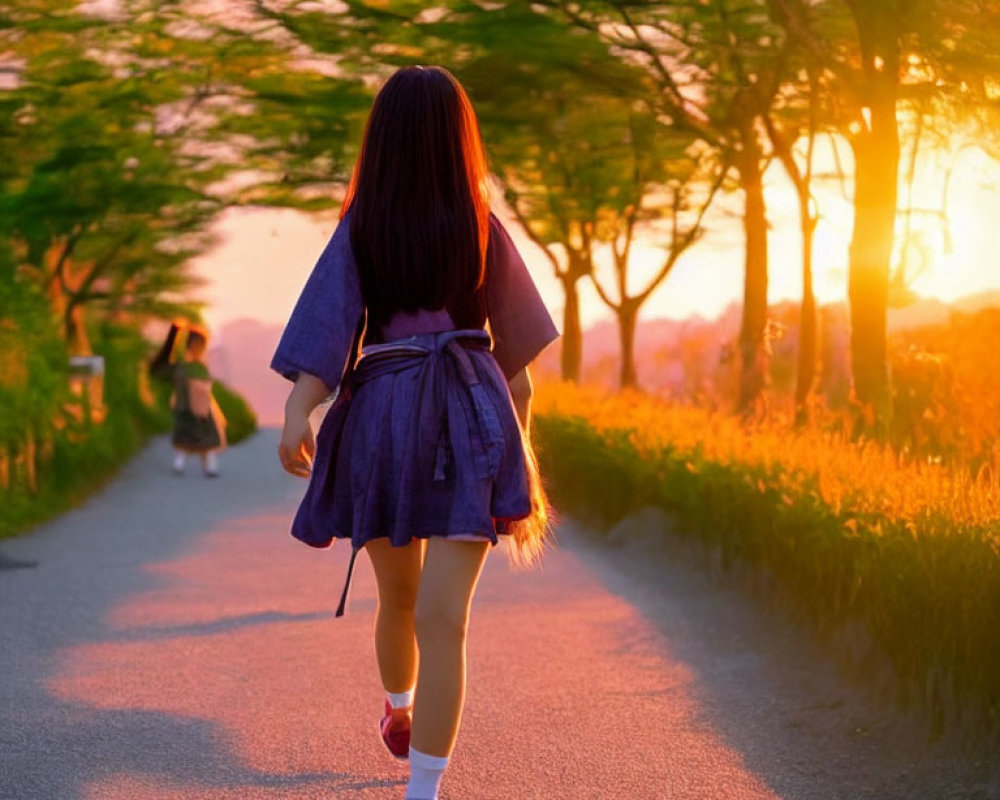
(423, 440)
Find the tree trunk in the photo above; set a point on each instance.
(753, 348)
(628, 315)
(876, 154)
(571, 357)
(5, 459)
(806, 373)
(75, 327)
(31, 462)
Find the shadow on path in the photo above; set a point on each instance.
(99, 746)
(104, 616)
(767, 688)
(222, 625)
(13, 563)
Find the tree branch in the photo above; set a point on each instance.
(678, 246)
(513, 200)
(605, 297)
(58, 271)
(791, 15)
(678, 105)
(82, 292)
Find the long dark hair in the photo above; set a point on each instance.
(417, 200)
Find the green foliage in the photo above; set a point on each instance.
(308, 129)
(76, 455)
(241, 422)
(119, 136)
(926, 591)
(97, 203)
(33, 366)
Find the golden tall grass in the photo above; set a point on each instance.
(848, 534)
(862, 478)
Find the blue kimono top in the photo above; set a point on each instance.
(422, 438)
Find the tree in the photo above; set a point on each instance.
(876, 159)
(121, 134)
(801, 177)
(716, 65)
(795, 117)
(584, 164)
(555, 109)
(95, 194)
(668, 179)
(884, 59)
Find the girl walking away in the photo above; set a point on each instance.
(423, 459)
(199, 426)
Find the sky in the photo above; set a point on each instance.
(263, 256)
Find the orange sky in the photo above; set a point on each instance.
(264, 255)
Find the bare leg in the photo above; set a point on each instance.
(451, 571)
(397, 571)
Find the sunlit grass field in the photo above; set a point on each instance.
(849, 534)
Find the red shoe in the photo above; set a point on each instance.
(395, 730)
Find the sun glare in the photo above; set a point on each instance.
(960, 245)
(946, 242)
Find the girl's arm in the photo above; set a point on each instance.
(520, 392)
(298, 445)
(160, 366)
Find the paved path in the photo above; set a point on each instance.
(173, 642)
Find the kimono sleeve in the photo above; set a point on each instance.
(519, 321)
(321, 331)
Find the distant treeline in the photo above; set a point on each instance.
(946, 395)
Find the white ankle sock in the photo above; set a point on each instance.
(425, 775)
(179, 460)
(400, 699)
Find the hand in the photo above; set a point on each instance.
(298, 445)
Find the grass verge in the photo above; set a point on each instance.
(75, 458)
(850, 535)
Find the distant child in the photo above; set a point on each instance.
(199, 426)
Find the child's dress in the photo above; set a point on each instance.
(422, 438)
